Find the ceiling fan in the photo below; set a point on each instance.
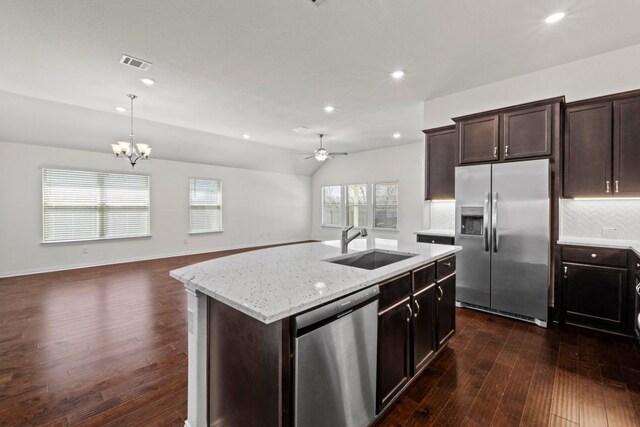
(321, 154)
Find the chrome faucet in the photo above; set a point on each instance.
(346, 239)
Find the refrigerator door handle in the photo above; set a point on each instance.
(485, 220)
(494, 222)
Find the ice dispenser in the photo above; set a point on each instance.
(471, 221)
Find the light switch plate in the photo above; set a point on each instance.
(609, 232)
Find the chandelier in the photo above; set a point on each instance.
(131, 150)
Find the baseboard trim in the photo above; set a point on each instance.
(77, 266)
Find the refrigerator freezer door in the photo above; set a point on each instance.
(473, 270)
(520, 240)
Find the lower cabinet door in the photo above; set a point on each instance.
(393, 351)
(595, 295)
(425, 345)
(446, 296)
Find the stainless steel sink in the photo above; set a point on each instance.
(370, 260)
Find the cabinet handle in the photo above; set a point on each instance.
(448, 264)
(608, 187)
(495, 151)
(565, 272)
(441, 292)
(617, 184)
(593, 255)
(415, 314)
(408, 319)
(506, 150)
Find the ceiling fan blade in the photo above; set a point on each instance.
(338, 154)
(310, 157)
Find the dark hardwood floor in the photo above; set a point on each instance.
(106, 346)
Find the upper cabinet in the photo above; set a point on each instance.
(479, 139)
(440, 162)
(514, 133)
(587, 150)
(601, 148)
(626, 147)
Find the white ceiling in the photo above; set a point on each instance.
(232, 67)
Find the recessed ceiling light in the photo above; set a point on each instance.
(554, 17)
(329, 109)
(147, 81)
(397, 74)
(246, 136)
(121, 109)
(397, 135)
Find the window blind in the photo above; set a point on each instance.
(205, 205)
(385, 205)
(84, 205)
(332, 205)
(357, 205)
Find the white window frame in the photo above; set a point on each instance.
(345, 189)
(221, 229)
(373, 206)
(100, 206)
(342, 207)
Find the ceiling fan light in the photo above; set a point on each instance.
(147, 153)
(143, 148)
(116, 149)
(321, 155)
(124, 146)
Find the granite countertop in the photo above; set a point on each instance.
(272, 284)
(436, 232)
(634, 245)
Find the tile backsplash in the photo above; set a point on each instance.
(611, 219)
(443, 215)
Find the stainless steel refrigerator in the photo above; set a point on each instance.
(503, 224)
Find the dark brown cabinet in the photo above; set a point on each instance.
(527, 132)
(416, 318)
(587, 150)
(440, 163)
(601, 151)
(440, 240)
(595, 295)
(597, 290)
(479, 139)
(514, 133)
(626, 147)
(446, 307)
(393, 350)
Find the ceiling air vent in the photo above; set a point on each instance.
(140, 64)
(317, 2)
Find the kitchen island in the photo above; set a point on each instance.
(242, 311)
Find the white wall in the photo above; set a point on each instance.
(615, 219)
(612, 72)
(400, 163)
(259, 208)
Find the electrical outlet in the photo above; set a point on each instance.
(185, 241)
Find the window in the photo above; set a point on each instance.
(81, 205)
(205, 205)
(385, 205)
(332, 206)
(357, 205)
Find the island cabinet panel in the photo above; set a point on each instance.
(393, 351)
(446, 309)
(527, 132)
(424, 327)
(588, 150)
(478, 139)
(440, 163)
(248, 376)
(626, 147)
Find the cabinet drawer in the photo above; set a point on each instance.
(445, 267)
(394, 290)
(424, 277)
(441, 240)
(597, 256)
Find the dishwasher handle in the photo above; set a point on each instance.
(335, 309)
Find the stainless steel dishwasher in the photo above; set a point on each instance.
(335, 358)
